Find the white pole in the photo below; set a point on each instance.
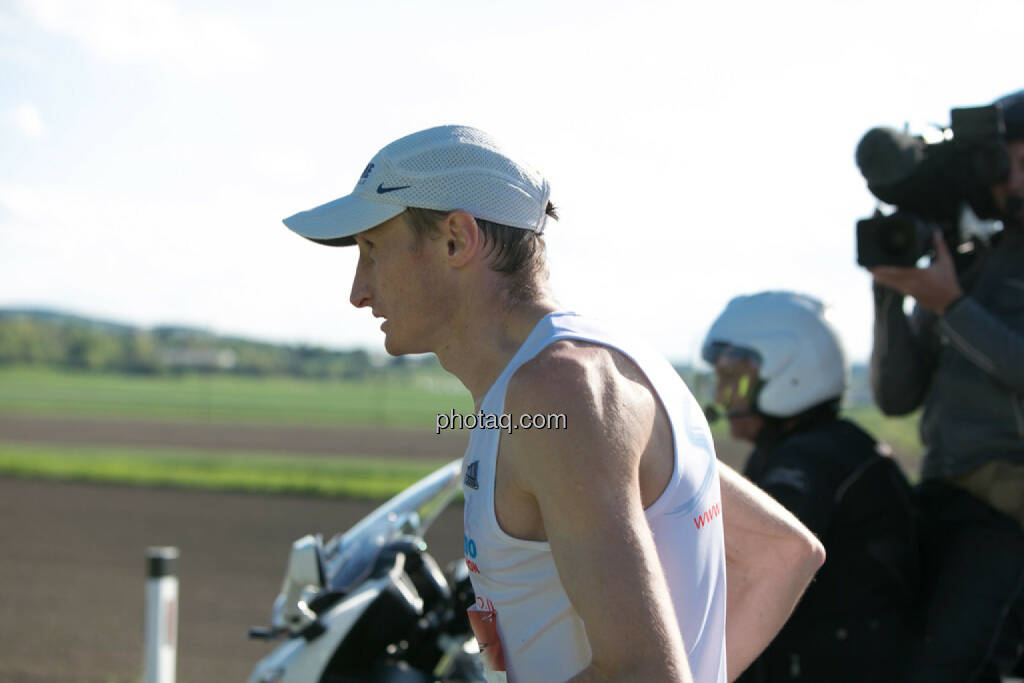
(161, 615)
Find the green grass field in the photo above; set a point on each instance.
(349, 476)
(217, 398)
(222, 398)
(898, 432)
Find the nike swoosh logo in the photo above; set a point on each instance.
(382, 190)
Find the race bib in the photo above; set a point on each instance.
(484, 622)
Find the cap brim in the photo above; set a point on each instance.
(335, 223)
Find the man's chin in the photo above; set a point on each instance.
(392, 348)
(396, 348)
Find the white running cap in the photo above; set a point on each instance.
(446, 168)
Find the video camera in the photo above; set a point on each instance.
(931, 185)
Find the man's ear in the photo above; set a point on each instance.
(461, 237)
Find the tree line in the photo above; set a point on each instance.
(63, 341)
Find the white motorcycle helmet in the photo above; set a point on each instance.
(802, 363)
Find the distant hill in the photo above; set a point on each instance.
(71, 341)
(60, 318)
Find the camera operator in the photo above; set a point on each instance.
(780, 374)
(960, 354)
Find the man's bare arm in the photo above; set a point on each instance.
(770, 560)
(585, 483)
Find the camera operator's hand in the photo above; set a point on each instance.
(934, 287)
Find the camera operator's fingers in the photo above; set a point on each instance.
(944, 286)
(891, 272)
(893, 277)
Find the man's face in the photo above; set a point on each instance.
(400, 280)
(736, 378)
(1014, 184)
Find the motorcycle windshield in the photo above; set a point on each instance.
(349, 558)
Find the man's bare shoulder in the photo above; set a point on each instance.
(560, 372)
(578, 375)
(602, 395)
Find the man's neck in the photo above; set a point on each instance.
(487, 336)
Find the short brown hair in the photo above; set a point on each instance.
(515, 252)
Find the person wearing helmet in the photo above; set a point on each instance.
(960, 357)
(781, 372)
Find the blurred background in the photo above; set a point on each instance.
(178, 368)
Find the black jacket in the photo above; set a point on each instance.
(853, 619)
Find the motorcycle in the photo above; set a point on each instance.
(372, 605)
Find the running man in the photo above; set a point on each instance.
(599, 551)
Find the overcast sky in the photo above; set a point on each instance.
(149, 148)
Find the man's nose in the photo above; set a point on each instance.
(359, 300)
(360, 295)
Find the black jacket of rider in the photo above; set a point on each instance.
(853, 617)
(966, 366)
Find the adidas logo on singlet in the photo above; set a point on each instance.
(470, 478)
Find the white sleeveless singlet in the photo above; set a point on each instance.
(540, 635)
